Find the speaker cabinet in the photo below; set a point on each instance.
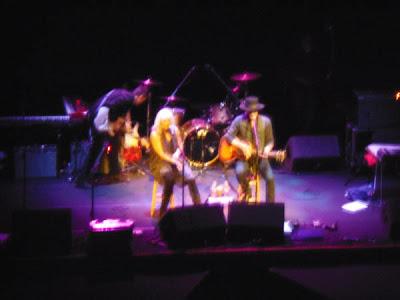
(313, 152)
(262, 222)
(35, 161)
(194, 226)
(42, 232)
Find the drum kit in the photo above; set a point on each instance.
(201, 136)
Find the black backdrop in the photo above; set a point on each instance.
(310, 54)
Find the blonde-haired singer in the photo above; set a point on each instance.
(166, 159)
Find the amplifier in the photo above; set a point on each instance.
(376, 110)
(38, 161)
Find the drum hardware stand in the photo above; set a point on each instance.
(136, 166)
(228, 89)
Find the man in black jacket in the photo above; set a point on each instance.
(110, 118)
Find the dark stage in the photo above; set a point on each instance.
(327, 77)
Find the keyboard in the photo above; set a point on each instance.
(23, 121)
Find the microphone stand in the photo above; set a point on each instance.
(148, 115)
(228, 89)
(93, 183)
(180, 85)
(183, 153)
(257, 156)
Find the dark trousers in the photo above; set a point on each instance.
(169, 176)
(242, 170)
(98, 147)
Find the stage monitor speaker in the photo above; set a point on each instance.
(261, 223)
(193, 226)
(306, 153)
(42, 232)
(110, 237)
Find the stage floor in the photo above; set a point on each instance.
(357, 260)
(310, 198)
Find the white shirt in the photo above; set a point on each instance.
(101, 122)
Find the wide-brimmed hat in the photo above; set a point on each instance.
(251, 103)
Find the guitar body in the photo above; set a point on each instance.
(228, 153)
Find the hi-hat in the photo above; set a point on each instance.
(173, 99)
(246, 76)
(149, 82)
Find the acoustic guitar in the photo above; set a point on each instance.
(228, 153)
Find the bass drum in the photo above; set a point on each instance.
(201, 143)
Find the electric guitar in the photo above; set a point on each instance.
(228, 153)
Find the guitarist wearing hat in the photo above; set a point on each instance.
(251, 133)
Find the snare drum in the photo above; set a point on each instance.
(201, 143)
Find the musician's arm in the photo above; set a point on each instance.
(269, 138)
(155, 142)
(232, 137)
(232, 132)
(178, 135)
(128, 122)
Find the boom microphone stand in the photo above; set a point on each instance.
(182, 82)
(179, 86)
(228, 89)
(148, 115)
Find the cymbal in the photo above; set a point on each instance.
(245, 76)
(149, 82)
(173, 98)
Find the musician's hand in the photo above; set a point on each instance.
(177, 159)
(128, 127)
(110, 131)
(267, 150)
(247, 151)
(115, 126)
(178, 164)
(144, 142)
(177, 155)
